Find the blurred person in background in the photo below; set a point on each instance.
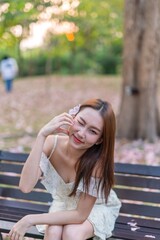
(9, 71)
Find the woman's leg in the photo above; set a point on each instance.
(53, 233)
(78, 231)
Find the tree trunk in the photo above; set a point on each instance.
(138, 116)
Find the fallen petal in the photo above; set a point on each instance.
(149, 236)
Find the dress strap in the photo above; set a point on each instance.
(54, 145)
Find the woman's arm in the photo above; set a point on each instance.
(31, 171)
(77, 216)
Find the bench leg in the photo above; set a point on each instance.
(1, 238)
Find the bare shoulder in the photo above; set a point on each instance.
(49, 144)
(52, 141)
(61, 140)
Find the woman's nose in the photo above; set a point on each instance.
(81, 132)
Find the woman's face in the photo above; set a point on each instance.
(87, 128)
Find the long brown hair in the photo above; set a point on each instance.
(101, 156)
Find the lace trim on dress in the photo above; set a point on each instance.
(93, 188)
(49, 179)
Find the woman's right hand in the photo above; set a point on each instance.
(56, 125)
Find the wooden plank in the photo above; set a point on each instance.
(130, 194)
(140, 210)
(14, 217)
(140, 230)
(24, 205)
(8, 180)
(137, 169)
(6, 211)
(137, 181)
(15, 214)
(10, 167)
(134, 235)
(139, 221)
(14, 181)
(32, 196)
(11, 156)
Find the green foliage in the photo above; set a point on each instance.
(110, 58)
(16, 17)
(33, 66)
(97, 46)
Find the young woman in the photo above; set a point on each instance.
(78, 170)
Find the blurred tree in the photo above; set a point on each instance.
(16, 17)
(96, 30)
(91, 44)
(138, 116)
(100, 28)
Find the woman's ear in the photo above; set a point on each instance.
(99, 141)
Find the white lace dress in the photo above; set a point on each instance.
(102, 216)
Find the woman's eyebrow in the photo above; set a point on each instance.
(99, 130)
(82, 119)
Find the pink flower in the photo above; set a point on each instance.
(75, 110)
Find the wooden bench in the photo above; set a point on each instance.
(137, 186)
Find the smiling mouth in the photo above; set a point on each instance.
(76, 140)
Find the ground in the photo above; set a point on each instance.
(35, 100)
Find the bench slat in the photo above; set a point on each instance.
(137, 181)
(143, 196)
(134, 235)
(33, 196)
(141, 210)
(24, 205)
(15, 214)
(137, 169)
(125, 220)
(14, 181)
(10, 167)
(11, 156)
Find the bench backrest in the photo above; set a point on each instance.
(38, 200)
(137, 186)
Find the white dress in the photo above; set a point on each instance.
(102, 215)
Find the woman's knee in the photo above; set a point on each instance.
(53, 232)
(78, 231)
(71, 232)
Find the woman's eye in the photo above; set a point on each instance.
(93, 132)
(80, 123)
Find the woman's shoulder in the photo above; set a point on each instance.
(52, 142)
(48, 145)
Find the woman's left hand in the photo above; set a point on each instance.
(20, 228)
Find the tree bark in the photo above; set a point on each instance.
(138, 116)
